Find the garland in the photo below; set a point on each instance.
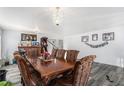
(97, 46)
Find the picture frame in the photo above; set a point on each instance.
(28, 37)
(84, 38)
(94, 37)
(35, 43)
(108, 36)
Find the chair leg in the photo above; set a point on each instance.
(22, 82)
(52, 83)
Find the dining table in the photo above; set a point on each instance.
(50, 69)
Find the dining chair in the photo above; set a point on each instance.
(27, 62)
(53, 54)
(28, 78)
(72, 55)
(80, 75)
(16, 53)
(33, 53)
(60, 53)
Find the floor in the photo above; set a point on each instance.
(97, 77)
(13, 74)
(99, 72)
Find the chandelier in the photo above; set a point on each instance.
(58, 16)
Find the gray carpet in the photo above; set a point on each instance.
(97, 76)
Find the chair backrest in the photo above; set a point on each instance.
(53, 54)
(16, 53)
(33, 52)
(25, 57)
(82, 70)
(60, 53)
(25, 72)
(72, 55)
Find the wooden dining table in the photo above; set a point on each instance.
(50, 69)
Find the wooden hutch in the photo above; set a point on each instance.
(29, 45)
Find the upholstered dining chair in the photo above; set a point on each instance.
(28, 78)
(80, 74)
(53, 54)
(72, 55)
(60, 53)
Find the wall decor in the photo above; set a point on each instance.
(35, 43)
(28, 37)
(108, 36)
(94, 37)
(98, 45)
(84, 38)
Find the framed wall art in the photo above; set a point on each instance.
(108, 36)
(28, 37)
(94, 37)
(84, 38)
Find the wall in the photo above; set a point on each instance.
(0, 42)
(112, 54)
(11, 39)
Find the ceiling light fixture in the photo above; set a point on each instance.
(58, 15)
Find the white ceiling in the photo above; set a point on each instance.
(75, 20)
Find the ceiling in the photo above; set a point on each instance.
(74, 20)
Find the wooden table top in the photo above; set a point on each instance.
(53, 67)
